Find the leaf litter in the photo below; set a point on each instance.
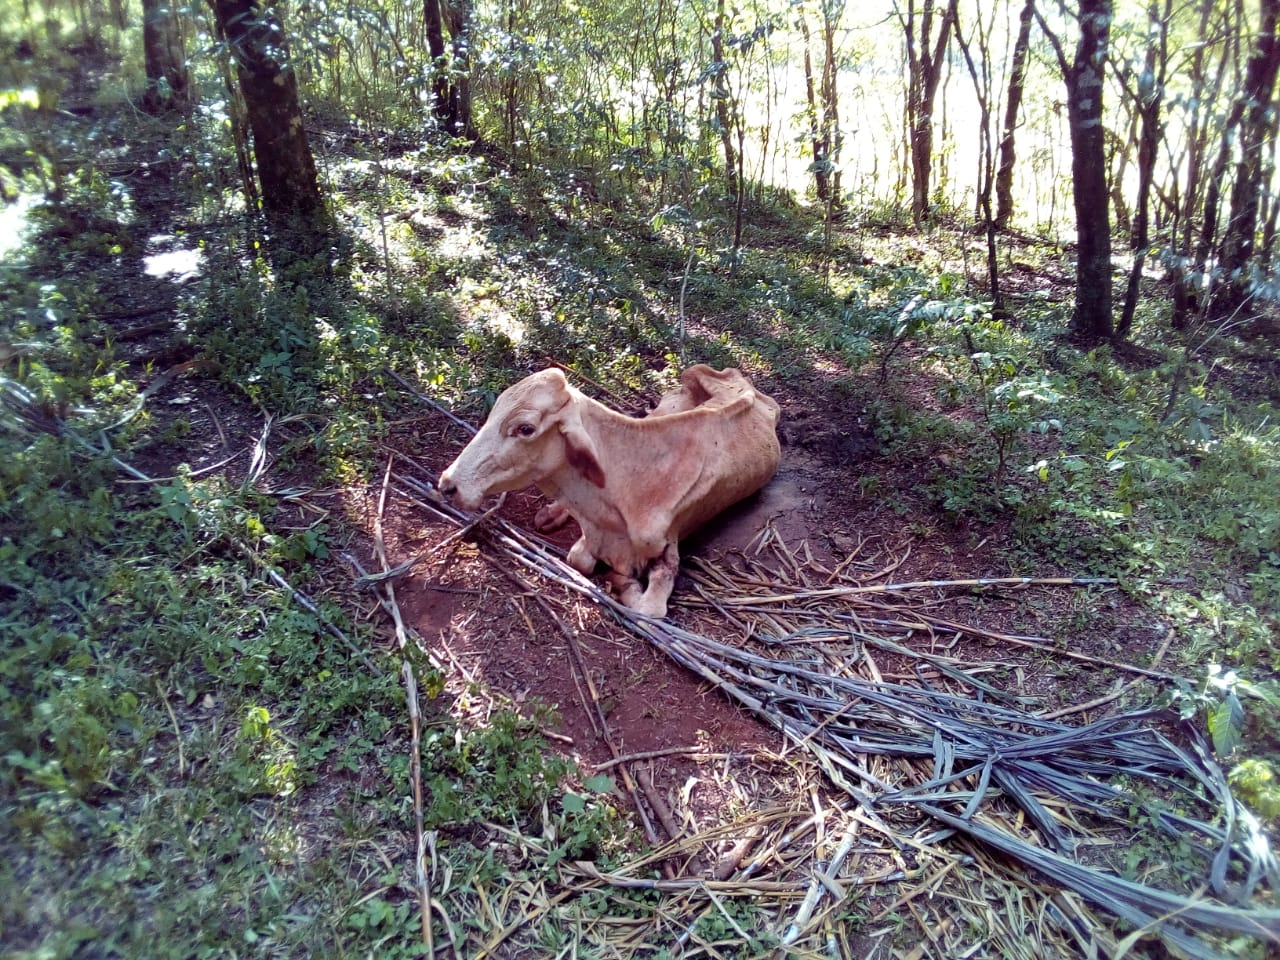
(1003, 828)
(992, 823)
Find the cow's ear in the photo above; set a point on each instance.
(581, 453)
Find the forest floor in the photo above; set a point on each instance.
(707, 767)
(714, 783)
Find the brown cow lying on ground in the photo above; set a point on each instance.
(635, 486)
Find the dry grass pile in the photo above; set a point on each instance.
(986, 824)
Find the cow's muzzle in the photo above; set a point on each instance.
(466, 496)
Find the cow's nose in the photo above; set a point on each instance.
(447, 488)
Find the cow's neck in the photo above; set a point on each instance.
(613, 433)
(610, 432)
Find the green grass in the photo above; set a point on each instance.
(192, 765)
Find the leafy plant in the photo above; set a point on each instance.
(1257, 783)
(1219, 704)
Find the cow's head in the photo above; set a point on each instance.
(535, 429)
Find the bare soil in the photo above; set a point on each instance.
(513, 636)
(504, 636)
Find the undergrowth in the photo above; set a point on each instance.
(192, 765)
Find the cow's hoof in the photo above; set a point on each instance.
(650, 607)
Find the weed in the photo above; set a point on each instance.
(1257, 784)
(190, 765)
(738, 928)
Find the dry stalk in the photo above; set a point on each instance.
(950, 748)
(415, 721)
(698, 753)
(657, 803)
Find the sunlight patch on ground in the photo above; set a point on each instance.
(500, 321)
(176, 265)
(462, 243)
(484, 308)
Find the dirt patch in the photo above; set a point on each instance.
(518, 637)
(611, 693)
(793, 503)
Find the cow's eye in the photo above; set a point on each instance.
(526, 430)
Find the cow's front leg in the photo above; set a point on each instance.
(627, 589)
(652, 600)
(581, 558)
(662, 580)
(552, 516)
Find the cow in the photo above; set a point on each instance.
(636, 486)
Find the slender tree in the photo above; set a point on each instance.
(458, 16)
(925, 55)
(451, 68)
(1012, 107)
(832, 10)
(1269, 212)
(1256, 137)
(433, 19)
(168, 80)
(286, 171)
(1216, 174)
(982, 86)
(820, 143)
(725, 104)
(1083, 75)
(1147, 92)
(823, 108)
(1187, 193)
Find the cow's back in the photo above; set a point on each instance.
(737, 444)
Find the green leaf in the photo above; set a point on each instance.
(573, 803)
(1262, 692)
(600, 783)
(1225, 722)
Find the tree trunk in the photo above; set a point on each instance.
(1091, 322)
(286, 170)
(1239, 238)
(433, 20)
(1147, 100)
(1270, 212)
(821, 148)
(1120, 158)
(982, 89)
(237, 116)
(1017, 84)
(458, 16)
(725, 115)
(925, 56)
(168, 81)
(1092, 318)
(831, 104)
(1208, 239)
(510, 82)
(1193, 250)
